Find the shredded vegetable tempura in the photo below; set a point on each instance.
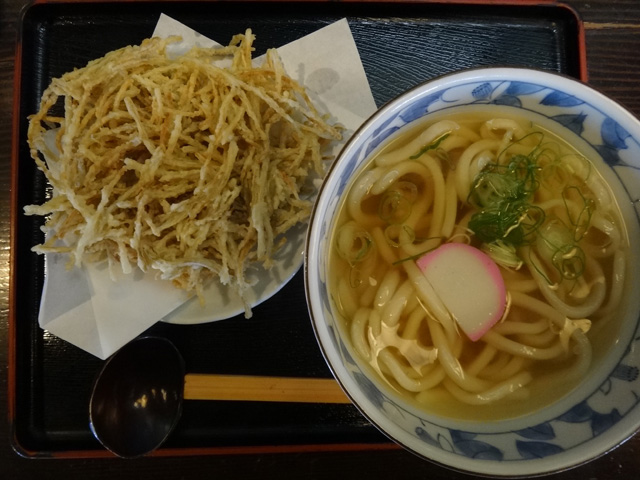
(176, 165)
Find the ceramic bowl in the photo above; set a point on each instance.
(604, 409)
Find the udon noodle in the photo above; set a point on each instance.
(542, 213)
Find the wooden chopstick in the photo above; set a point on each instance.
(262, 389)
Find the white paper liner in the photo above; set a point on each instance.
(85, 307)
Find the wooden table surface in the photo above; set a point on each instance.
(612, 30)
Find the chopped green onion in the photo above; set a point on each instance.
(394, 208)
(432, 146)
(556, 244)
(398, 235)
(491, 188)
(438, 240)
(569, 260)
(413, 257)
(504, 254)
(353, 243)
(503, 194)
(408, 190)
(583, 220)
(512, 222)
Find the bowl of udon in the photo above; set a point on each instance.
(470, 270)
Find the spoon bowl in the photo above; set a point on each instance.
(137, 398)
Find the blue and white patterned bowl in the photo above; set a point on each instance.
(604, 410)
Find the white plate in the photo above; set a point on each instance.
(221, 302)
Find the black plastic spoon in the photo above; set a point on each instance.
(137, 398)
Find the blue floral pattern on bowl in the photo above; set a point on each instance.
(593, 419)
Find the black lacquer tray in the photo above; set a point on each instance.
(401, 44)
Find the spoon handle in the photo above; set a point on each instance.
(262, 389)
